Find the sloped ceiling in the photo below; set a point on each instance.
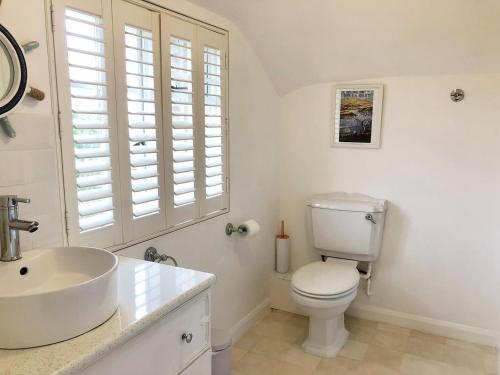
(301, 42)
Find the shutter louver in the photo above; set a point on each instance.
(182, 121)
(89, 108)
(143, 142)
(214, 158)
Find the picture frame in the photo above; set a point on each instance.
(357, 115)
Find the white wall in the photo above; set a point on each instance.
(438, 167)
(29, 168)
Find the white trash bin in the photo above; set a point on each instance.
(221, 352)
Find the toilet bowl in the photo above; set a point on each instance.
(324, 291)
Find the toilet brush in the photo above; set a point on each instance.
(282, 250)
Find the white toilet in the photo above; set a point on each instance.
(346, 229)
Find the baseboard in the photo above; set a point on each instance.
(240, 328)
(281, 299)
(428, 325)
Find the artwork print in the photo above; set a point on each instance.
(357, 116)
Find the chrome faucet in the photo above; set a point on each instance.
(10, 226)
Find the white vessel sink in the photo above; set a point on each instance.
(55, 294)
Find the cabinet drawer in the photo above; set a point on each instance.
(189, 332)
(202, 366)
(160, 349)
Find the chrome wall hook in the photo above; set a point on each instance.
(457, 95)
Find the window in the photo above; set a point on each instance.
(143, 119)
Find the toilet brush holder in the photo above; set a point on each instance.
(282, 250)
(282, 254)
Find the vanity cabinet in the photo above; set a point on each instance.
(178, 343)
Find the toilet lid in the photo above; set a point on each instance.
(326, 278)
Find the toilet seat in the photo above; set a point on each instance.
(326, 280)
(324, 297)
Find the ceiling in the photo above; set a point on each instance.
(301, 42)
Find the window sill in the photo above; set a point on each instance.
(126, 245)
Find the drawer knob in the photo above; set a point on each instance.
(188, 337)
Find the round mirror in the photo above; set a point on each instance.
(6, 71)
(13, 72)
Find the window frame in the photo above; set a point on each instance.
(120, 241)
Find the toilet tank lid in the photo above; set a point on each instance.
(348, 202)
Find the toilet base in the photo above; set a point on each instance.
(326, 336)
(327, 333)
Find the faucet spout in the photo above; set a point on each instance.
(24, 225)
(10, 225)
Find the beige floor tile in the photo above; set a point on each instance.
(281, 330)
(351, 321)
(284, 368)
(300, 321)
(491, 364)
(383, 356)
(271, 347)
(277, 316)
(394, 329)
(256, 364)
(338, 366)
(248, 340)
(354, 350)
(425, 348)
(373, 368)
(296, 356)
(454, 370)
(470, 358)
(236, 355)
(490, 350)
(465, 345)
(428, 337)
(414, 365)
(362, 333)
(390, 340)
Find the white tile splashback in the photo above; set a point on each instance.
(29, 169)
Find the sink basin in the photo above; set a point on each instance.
(55, 294)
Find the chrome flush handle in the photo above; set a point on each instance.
(188, 337)
(369, 217)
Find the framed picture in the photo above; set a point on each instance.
(357, 115)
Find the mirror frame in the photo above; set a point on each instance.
(19, 82)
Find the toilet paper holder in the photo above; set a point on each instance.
(241, 229)
(246, 229)
(230, 229)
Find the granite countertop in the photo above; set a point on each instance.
(146, 292)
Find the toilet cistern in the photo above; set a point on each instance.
(10, 225)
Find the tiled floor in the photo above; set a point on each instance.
(273, 347)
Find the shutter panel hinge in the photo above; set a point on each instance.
(59, 127)
(66, 224)
(52, 17)
(226, 120)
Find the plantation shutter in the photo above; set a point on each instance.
(143, 120)
(179, 87)
(88, 121)
(138, 84)
(213, 78)
(196, 132)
